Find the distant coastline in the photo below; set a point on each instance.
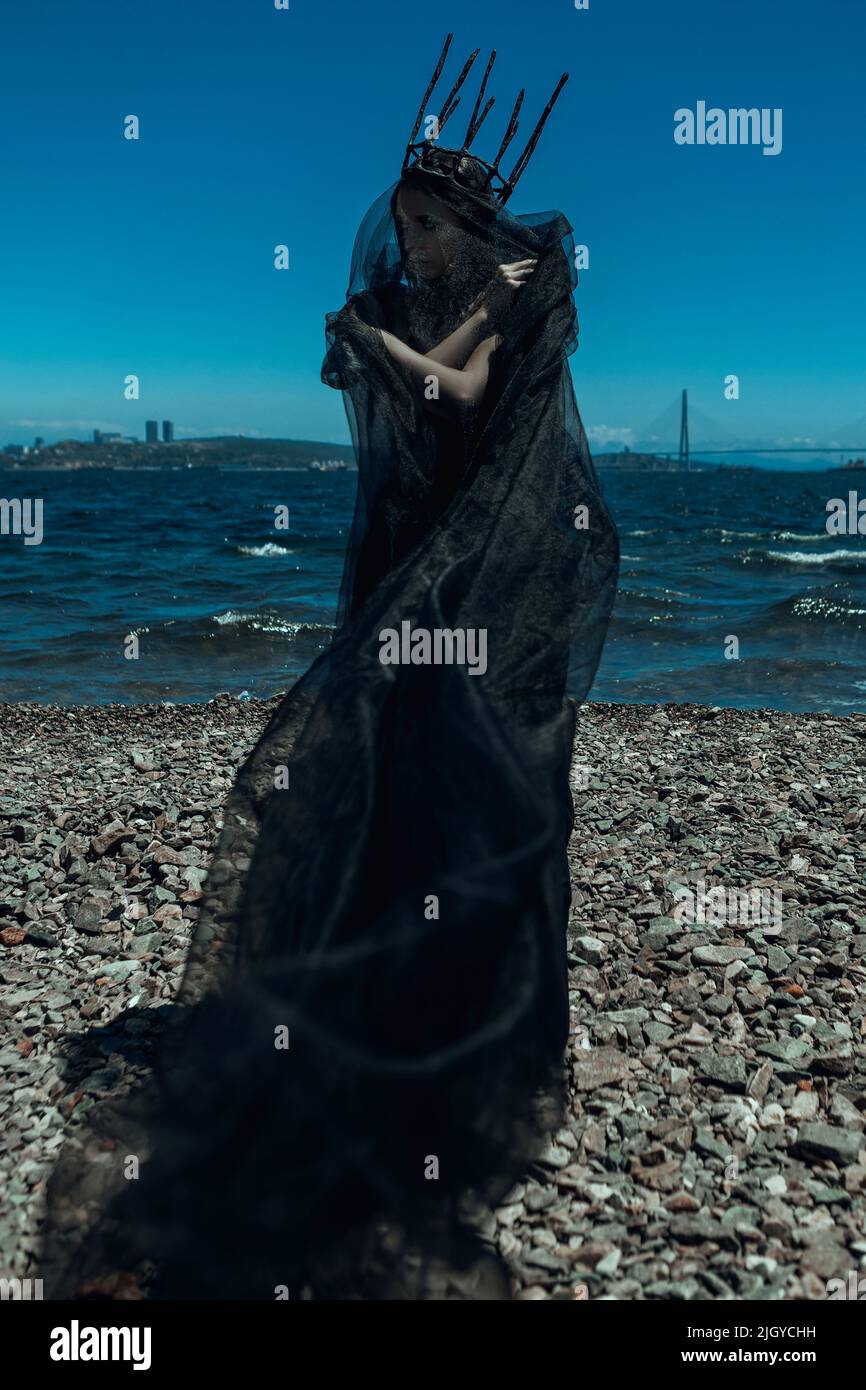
(671, 463)
(651, 463)
(225, 451)
(243, 452)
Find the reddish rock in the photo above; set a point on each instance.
(112, 835)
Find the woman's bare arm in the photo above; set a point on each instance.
(456, 348)
(459, 386)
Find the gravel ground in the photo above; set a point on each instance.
(715, 1142)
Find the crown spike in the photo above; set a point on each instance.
(429, 92)
(446, 114)
(474, 123)
(514, 177)
(491, 102)
(418, 156)
(510, 133)
(450, 103)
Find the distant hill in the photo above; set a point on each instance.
(223, 451)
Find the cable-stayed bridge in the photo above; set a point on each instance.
(685, 432)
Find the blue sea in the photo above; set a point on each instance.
(190, 561)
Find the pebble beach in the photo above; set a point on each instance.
(714, 1146)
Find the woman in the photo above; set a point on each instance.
(378, 979)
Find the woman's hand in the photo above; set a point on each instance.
(499, 294)
(350, 310)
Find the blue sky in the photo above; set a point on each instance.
(261, 126)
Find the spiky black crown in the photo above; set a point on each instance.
(429, 157)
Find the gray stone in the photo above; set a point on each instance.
(720, 955)
(724, 1069)
(815, 1140)
(589, 949)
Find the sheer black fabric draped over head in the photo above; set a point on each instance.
(375, 1006)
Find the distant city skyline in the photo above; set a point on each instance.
(644, 453)
(659, 439)
(155, 257)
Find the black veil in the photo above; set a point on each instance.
(373, 1015)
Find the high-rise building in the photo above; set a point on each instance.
(151, 431)
(167, 432)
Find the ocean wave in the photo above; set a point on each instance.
(824, 609)
(830, 557)
(819, 607)
(725, 535)
(268, 622)
(268, 550)
(767, 535)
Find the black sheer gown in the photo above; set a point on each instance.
(373, 1016)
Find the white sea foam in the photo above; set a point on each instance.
(798, 536)
(267, 622)
(262, 551)
(771, 535)
(800, 557)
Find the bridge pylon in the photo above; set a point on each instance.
(684, 459)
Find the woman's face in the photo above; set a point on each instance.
(430, 233)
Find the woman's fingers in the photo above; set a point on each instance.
(518, 278)
(515, 280)
(517, 273)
